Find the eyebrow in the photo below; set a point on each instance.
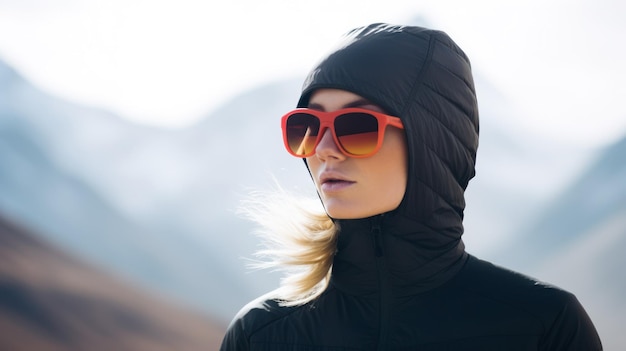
(356, 103)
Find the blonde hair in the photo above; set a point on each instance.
(298, 238)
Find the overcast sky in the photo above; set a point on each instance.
(170, 62)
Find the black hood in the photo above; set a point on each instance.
(423, 77)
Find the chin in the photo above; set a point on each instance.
(354, 209)
(341, 214)
(348, 214)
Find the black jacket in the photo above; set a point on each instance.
(402, 280)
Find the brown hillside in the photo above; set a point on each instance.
(52, 301)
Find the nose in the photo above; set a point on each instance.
(327, 148)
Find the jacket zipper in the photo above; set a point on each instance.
(383, 283)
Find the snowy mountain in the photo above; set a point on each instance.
(74, 186)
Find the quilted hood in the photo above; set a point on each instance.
(423, 77)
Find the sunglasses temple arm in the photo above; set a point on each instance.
(395, 122)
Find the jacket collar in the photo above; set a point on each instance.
(409, 257)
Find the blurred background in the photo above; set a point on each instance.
(131, 130)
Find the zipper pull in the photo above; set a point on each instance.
(376, 232)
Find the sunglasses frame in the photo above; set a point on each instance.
(327, 121)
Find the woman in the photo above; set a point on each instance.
(388, 127)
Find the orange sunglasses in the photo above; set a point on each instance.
(357, 132)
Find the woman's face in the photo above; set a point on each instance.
(357, 187)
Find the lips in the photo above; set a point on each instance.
(332, 181)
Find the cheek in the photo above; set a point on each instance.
(394, 163)
(391, 179)
(400, 182)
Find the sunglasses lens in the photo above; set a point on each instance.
(301, 132)
(357, 133)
